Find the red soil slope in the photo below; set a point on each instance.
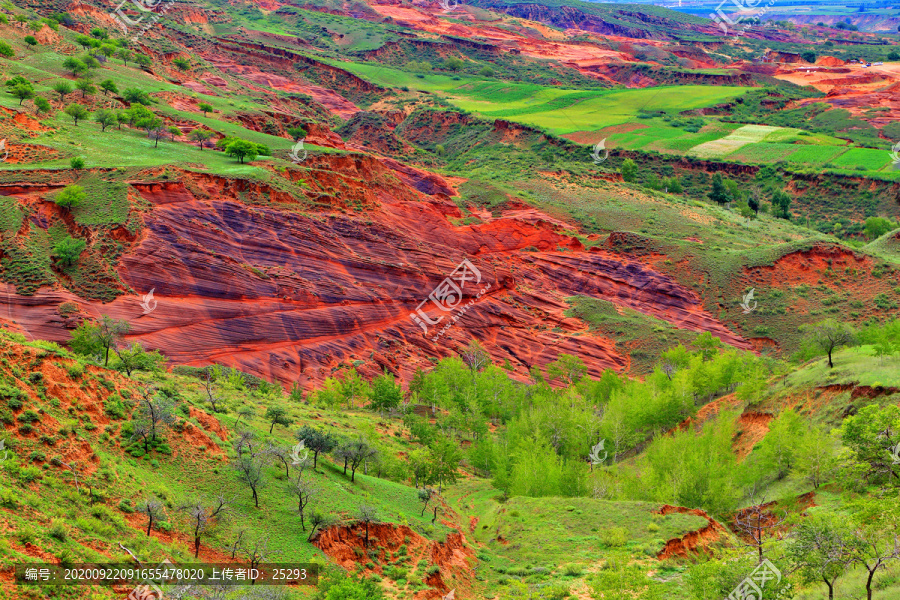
(292, 295)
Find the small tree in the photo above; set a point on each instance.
(757, 523)
(822, 550)
(317, 521)
(70, 196)
(182, 64)
(74, 65)
(154, 411)
(85, 86)
(367, 515)
(204, 515)
(125, 54)
(719, 193)
(68, 250)
(385, 394)
(105, 118)
(108, 85)
(22, 92)
(781, 204)
(42, 106)
(425, 495)
(629, 170)
(317, 441)
(242, 150)
(829, 335)
(154, 510)
(250, 472)
(30, 40)
(174, 132)
(305, 491)
(76, 163)
(200, 136)
(297, 133)
(205, 107)
(475, 357)
(63, 88)
(76, 111)
(277, 415)
(136, 358)
(356, 452)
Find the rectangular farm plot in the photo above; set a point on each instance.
(870, 158)
(815, 156)
(733, 141)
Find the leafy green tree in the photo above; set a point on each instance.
(182, 64)
(76, 66)
(205, 107)
(76, 163)
(6, 50)
(85, 86)
(829, 335)
(68, 250)
(317, 441)
(136, 358)
(629, 170)
(70, 196)
(30, 40)
(242, 150)
(76, 111)
(809, 56)
(125, 54)
(105, 117)
(108, 85)
(348, 588)
(98, 338)
(876, 536)
(878, 226)
(144, 61)
(22, 92)
(42, 105)
(99, 33)
(277, 415)
(453, 64)
(83, 41)
(781, 204)
(823, 549)
(444, 456)
(174, 132)
(135, 95)
(719, 193)
(385, 393)
(63, 88)
(200, 136)
(297, 133)
(872, 436)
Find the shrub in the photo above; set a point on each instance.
(77, 163)
(614, 536)
(29, 416)
(125, 506)
(57, 530)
